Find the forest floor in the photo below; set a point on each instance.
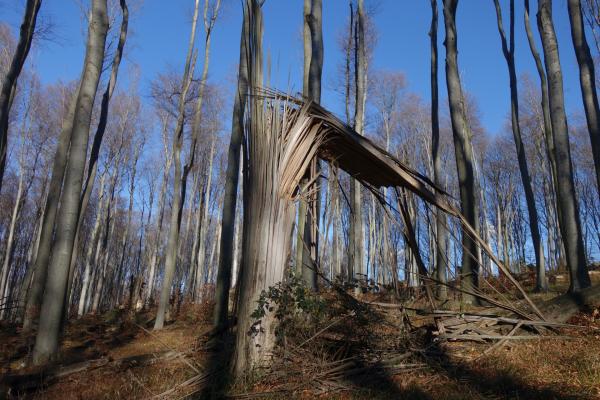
(117, 356)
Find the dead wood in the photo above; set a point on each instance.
(25, 382)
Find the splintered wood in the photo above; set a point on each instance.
(309, 130)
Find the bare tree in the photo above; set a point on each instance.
(9, 83)
(569, 214)
(587, 80)
(309, 209)
(508, 49)
(463, 149)
(47, 338)
(180, 177)
(441, 265)
(357, 251)
(228, 216)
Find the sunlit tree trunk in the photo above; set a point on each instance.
(268, 217)
(357, 249)
(178, 185)
(570, 224)
(85, 283)
(42, 258)
(201, 267)
(47, 338)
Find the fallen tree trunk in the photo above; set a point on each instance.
(18, 383)
(562, 308)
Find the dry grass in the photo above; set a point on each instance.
(520, 370)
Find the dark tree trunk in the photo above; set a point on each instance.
(9, 84)
(569, 222)
(587, 80)
(463, 150)
(309, 211)
(357, 249)
(441, 264)
(508, 49)
(231, 187)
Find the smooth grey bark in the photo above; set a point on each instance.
(548, 136)
(9, 83)
(508, 49)
(441, 264)
(357, 246)
(8, 253)
(92, 166)
(232, 174)
(179, 184)
(587, 80)
(192, 276)
(42, 258)
(463, 150)
(569, 221)
(28, 279)
(309, 210)
(47, 339)
(93, 244)
(201, 267)
(125, 249)
(161, 216)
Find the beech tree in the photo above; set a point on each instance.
(587, 80)
(570, 224)
(181, 174)
(9, 83)
(463, 149)
(508, 49)
(441, 265)
(46, 344)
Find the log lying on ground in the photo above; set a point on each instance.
(562, 308)
(24, 382)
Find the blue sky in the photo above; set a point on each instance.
(160, 31)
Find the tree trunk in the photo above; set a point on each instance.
(10, 240)
(85, 283)
(570, 224)
(9, 83)
(268, 217)
(463, 150)
(356, 227)
(179, 184)
(232, 174)
(42, 258)
(587, 80)
(202, 270)
(441, 264)
(47, 339)
(508, 49)
(308, 209)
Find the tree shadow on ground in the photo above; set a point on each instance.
(217, 375)
(496, 384)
